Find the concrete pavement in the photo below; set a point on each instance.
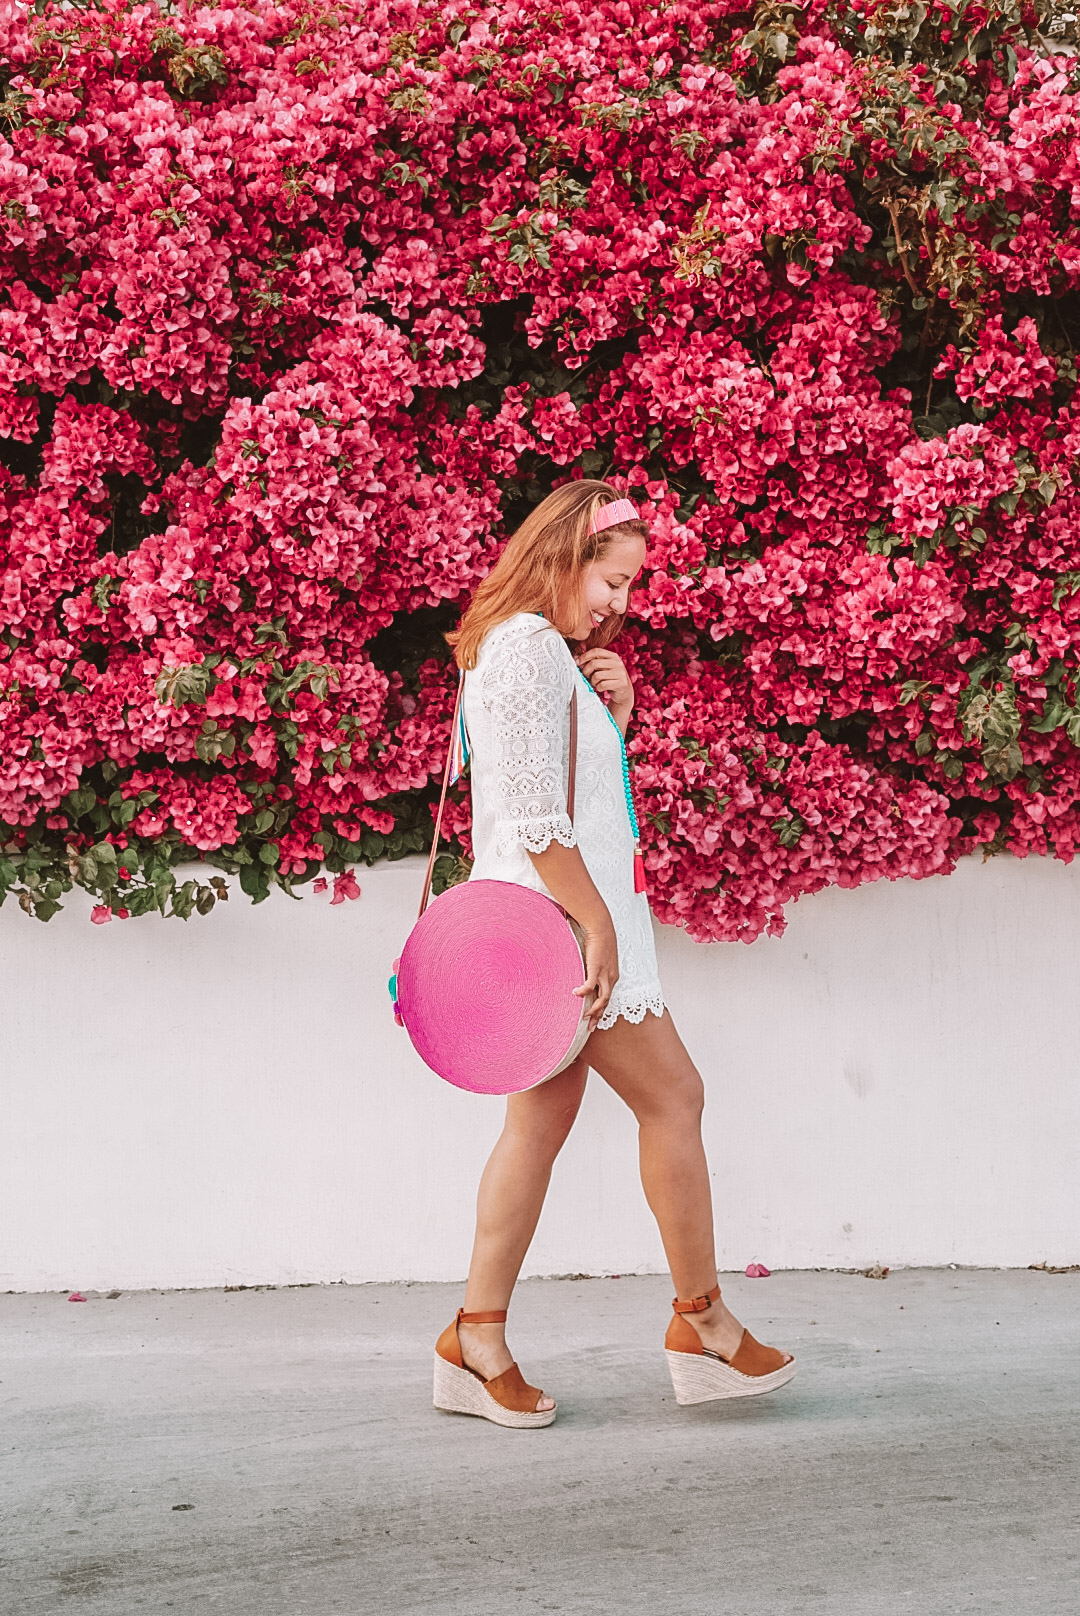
(274, 1453)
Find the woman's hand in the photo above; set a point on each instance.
(608, 676)
(562, 870)
(601, 970)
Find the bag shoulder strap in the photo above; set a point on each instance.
(571, 773)
(570, 782)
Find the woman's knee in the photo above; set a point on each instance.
(543, 1136)
(544, 1119)
(677, 1098)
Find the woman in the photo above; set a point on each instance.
(564, 577)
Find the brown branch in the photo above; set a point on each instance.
(901, 251)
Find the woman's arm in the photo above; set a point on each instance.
(563, 872)
(526, 689)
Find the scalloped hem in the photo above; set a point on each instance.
(534, 838)
(633, 1010)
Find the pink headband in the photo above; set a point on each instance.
(620, 510)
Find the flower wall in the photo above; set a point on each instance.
(301, 307)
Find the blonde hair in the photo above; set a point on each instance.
(541, 562)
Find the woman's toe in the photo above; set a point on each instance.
(545, 1405)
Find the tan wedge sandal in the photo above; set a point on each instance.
(700, 1375)
(505, 1398)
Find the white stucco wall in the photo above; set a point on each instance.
(228, 1101)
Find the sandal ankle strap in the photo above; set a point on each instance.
(697, 1304)
(480, 1318)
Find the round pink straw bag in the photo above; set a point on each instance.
(484, 986)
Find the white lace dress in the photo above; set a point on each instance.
(516, 704)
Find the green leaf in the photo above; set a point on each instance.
(274, 630)
(183, 900)
(1052, 716)
(214, 743)
(140, 900)
(103, 590)
(1002, 757)
(1066, 584)
(192, 682)
(81, 801)
(789, 831)
(972, 709)
(255, 881)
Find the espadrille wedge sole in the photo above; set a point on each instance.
(459, 1392)
(701, 1378)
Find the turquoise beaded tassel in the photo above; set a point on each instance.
(639, 860)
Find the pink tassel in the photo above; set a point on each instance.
(639, 870)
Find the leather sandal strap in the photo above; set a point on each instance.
(481, 1318)
(697, 1304)
(510, 1390)
(751, 1358)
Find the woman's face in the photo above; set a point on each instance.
(605, 585)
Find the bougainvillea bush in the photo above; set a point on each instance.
(302, 306)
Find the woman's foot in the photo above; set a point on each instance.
(484, 1349)
(711, 1356)
(720, 1331)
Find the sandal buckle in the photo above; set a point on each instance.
(697, 1304)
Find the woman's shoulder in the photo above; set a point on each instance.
(528, 642)
(522, 626)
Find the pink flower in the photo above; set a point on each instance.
(344, 887)
(100, 913)
(206, 581)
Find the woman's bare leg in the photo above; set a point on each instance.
(648, 1066)
(508, 1204)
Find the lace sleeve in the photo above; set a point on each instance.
(526, 689)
